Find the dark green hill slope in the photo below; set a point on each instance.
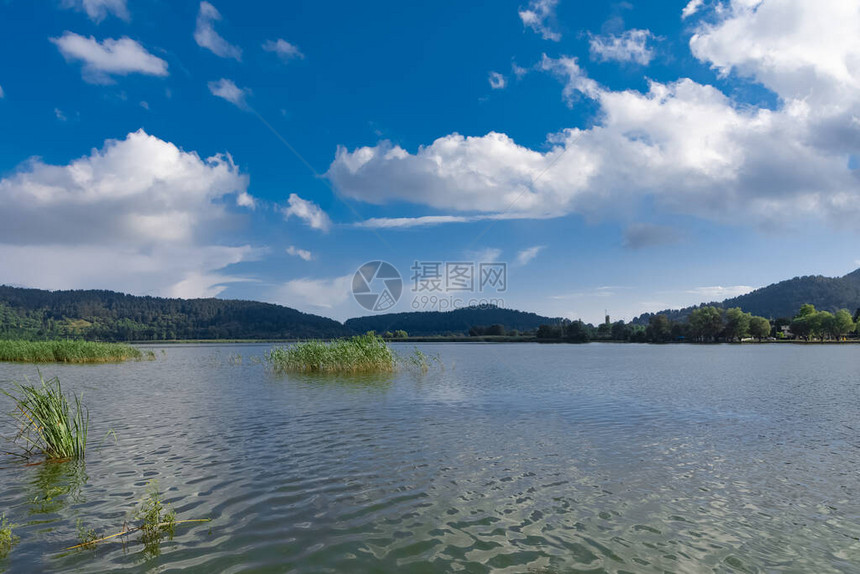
(783, 299)
(458, 321)
(111, 316)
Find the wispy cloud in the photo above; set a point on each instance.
(98, 10)
(308, 211)
(631, 46)
(691, 8)
(300, 253)
(283, 49)
(228, 90)
(497, 81)
(526, 255)
(206, 36)
(101, 60)
(540, 17)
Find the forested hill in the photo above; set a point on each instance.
(110, 316)
(457, 322)
(783, 299)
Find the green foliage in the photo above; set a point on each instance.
(67, 351)
(34, 314)
(46, 424)
(157, 520)
(659, 329)
(7, 539)
(87, 537)
(401, 334)
(360, 354)
(706, 323)
(759, 327)
(737, 324)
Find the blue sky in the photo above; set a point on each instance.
(627, 156)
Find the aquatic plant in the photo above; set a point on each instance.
(87, 536)
(419, 360)
(68, 351)
(7, 539)
(157, 520)
(47, 424)
(360, 354)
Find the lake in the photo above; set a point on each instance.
(508, 458)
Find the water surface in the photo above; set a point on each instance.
(511, 458)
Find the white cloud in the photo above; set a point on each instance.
(98, 10)
(540, 17)
(330, 297)
(2, 95)
(139, 215)
(301, 253)
(526, 255)
(283, 49)
(575, 80)
(691, 8)
(718, 292)
(228, 90)
(497, 81)
(801, 50)
(686, 146)
(206, 36)
(109, 58)
(245, 199)
(630, 46)
(308, 211)
(60, 115)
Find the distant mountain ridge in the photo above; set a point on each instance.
(111, 316)
(455, 322)
(783, 299)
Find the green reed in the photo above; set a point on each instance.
(360, 354)
(48, 424)
(68, 351)
(7, 539)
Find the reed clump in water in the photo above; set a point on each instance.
(360, 354)
(7, 539)
(48, 423)
(68, 351)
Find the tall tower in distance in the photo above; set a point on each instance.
(605, 312)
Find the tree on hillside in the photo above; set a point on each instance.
(737, 324)
(659, 330)
(759, 327)
(840, 325)
(706, 323)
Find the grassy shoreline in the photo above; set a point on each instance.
(67, 351)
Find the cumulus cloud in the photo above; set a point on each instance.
(102, 60)
(497, 81)
(526, 255)
(98, 10)
(540, 17)
(682, 145)
(691, 8)
(641, 235)
(300, 253)
(138, 215)
(229, 91)
(206, 36)
(308, 211)
(283, 49)
(631, 46)
(331, 297)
